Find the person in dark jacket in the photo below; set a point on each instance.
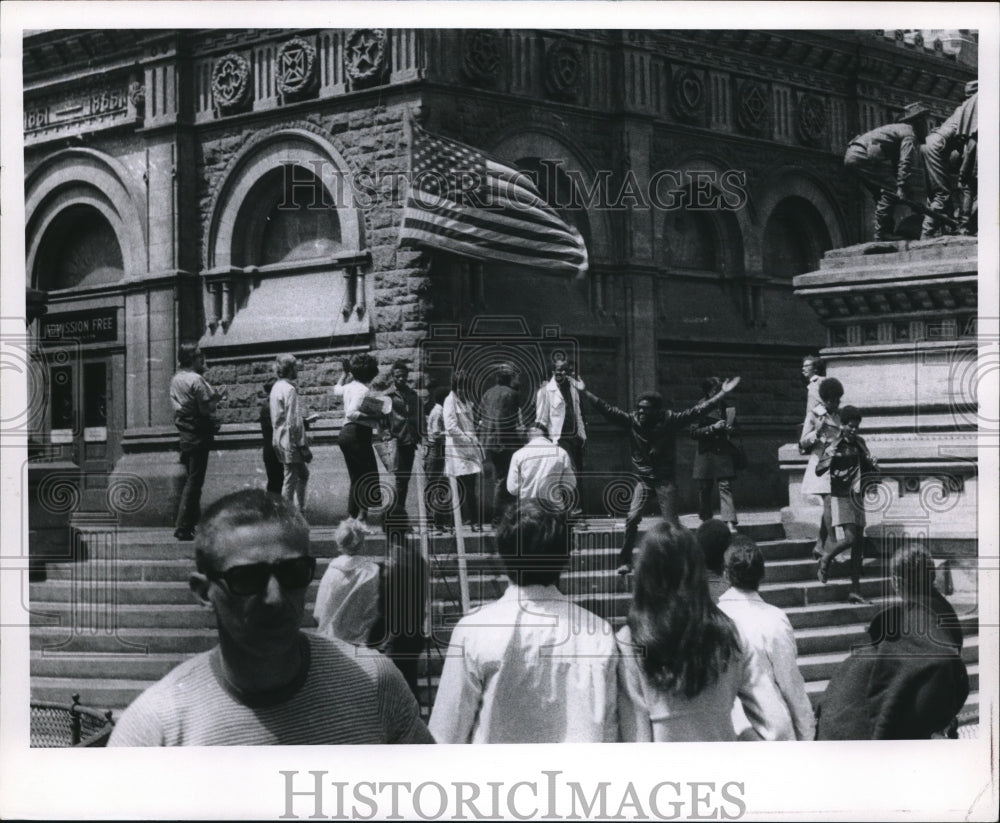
(910, 682)
(884, 159)
(652, 431)
(947, 141)
(404, 426)
(499, 432)
(713, 460)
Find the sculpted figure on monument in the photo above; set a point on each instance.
(949, 155)
(883, 159)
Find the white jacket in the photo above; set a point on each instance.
(550, 409)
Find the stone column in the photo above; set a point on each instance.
(902, 338)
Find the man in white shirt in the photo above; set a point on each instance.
(531, 667)
(541, 470)
(557, 405)
(769, 634)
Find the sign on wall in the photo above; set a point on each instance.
(94, 326)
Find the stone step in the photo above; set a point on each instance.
(822, 666)
(102, 694)
(816, 688)
(129, 640)
(148, 666)
(836, 638)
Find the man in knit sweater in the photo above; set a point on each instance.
(267, 683)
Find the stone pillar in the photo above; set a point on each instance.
(902, 338)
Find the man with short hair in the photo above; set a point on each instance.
(404, 427)
(291, 443)
(541, 470)
(531, 667)
(194, 402)
(910, 682)
(769, 634)
(267, 683)
(557, 405)
(499, 432)
(652, 432)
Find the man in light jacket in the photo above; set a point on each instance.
(557, 405)
(769, 634)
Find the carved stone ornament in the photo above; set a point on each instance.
(563, 70)
(231, 81)
(137, 95)
(810, 119)
(296, 62)
(752, 108)
(481, 57)
(687, 98)
(364, 54)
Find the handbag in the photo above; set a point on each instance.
(388, 453)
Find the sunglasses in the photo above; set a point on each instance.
(252, 579)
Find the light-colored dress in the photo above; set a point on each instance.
(820, 428)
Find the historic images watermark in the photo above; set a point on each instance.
(548, 796)
(664, 190)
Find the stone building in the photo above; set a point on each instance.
(171, 192)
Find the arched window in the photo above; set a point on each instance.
(691, 241)
(794, 239)
(79, 249)
(289, 216)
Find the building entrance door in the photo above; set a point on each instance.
(86, 407)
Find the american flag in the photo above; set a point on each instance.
(462, 201)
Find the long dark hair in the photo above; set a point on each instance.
(686, 640)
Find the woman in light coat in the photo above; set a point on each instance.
(821, 427)
(463, 456)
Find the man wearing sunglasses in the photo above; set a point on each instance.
(267, 682)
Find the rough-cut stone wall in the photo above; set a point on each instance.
(371, 140)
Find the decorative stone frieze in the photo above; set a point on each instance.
(296, 67)
(482, 57)
(231, 82)
(753, 108)
(564, 70)
(810, 119)
(365, 55)
(687, 98)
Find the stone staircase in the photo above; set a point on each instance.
(121, 615)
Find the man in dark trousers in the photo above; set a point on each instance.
(499, 432)
(652, 429)
(194, 402)
(884, 160)
(405, 429)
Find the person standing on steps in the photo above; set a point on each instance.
(499, 435)
(557, 405)
(194, 402)
(405, 430)
(291, 443)
(362, 414)
(272, 463)
(821, 426)
(814, 371)
(848, 460)
(652, 433)
(714, 460)
(463, 456)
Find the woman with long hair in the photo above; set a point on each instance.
(463, 456)
(361, 416)
(683, 662)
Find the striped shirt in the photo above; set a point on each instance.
(344, 695)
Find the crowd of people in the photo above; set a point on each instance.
(701, 657)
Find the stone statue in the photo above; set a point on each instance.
(883, 159)
(950, 151)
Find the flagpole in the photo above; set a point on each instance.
(463, 576)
